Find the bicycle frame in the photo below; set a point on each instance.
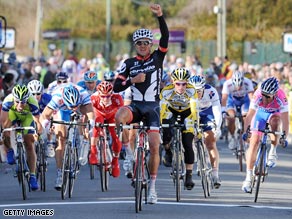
(22, 166)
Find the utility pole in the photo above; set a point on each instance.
(220, 10)
(108, 31)
(37, 29)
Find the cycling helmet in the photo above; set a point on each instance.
(90, 76)
(237, 78)
(180, 74)
(198, 82)
(71, 96)
(109, 76)
(35, 86)
(105, 88)
(62, 75)
(20, 92)
(141, 34)
(270, 86)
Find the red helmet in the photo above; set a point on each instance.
(105, 88)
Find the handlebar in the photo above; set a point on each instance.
(18, 129)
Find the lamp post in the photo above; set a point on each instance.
(37, 29)
(108, 31)
(220, 10)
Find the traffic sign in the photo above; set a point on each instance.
(287, 42)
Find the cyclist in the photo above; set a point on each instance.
(174, 102)
(61, 78)
(209, 110)
(109, 76)
(21, 107)
(36, 88)
(89, 82)
(143, 73)
(236, 91)
(66, 99)
(105, 104)
(269, 104)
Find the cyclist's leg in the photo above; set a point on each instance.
(7, 119)
(231, 122)
(166, 141)
(93, 156)
(275, 123)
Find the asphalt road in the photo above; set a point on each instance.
(88, 201)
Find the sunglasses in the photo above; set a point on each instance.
(144, 43)
(105, 96)
(37, 94)
(61, 82)
(181, 83)
(200, 91)
(266, 95)
(22, 102)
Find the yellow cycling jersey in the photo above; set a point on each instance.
(179, 102)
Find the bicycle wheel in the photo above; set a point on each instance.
(138, 180)
(102, 163)
(259, 173)
(42, 167)
(73, 170)
(203, 168)
(177, 173)
(21, 170)
(65, 171)
(240, 152)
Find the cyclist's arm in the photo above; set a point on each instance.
(36, 118)
(285, 122)
(46, 116)
(216, 108)
(250, 95)
(88, 111)
(224, 101)
(250, 114)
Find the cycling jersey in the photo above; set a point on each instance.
(83, 85)
(45, 99)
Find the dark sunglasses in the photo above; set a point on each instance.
(144, 43)
(266, 95)
(22, 102)
(61, 82)
(37, 94)
(105, 96)
(180, 83)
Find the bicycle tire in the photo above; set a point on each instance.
(260, 169)
(203, 169)
(43, 167)
(138, 181)
(240, 153)
(65, 171)
(102, 164)
(177, 174)
(73, 170)
(21, 170)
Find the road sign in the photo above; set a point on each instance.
(175, 36)
(10, 38)
(2, 31)
(287, 42)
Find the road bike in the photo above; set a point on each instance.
(105, 156)
(260, 170)
(141, 174)
(70, 166)
(41, 163)
(178, 170)
(22, 170)
(204, 168)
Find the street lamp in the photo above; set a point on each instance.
(220, 10)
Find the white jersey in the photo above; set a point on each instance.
(57, 102)
(228, 88)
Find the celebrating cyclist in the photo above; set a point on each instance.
(21, 107)
(237, 91)
(105, 104)
(89, 82)
(209, 110)
(66, 99)
(269, 104)
(174, 102)
(36, 88)
(143, 74)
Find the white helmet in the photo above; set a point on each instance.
(237, 78)
(141, 34)
(35, 86)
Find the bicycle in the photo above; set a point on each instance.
(260, 170)
(105, 156)
(70, 166)
(141, 175)
(204, 168)
(41, 164)
(178, 170)
(22, 169)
